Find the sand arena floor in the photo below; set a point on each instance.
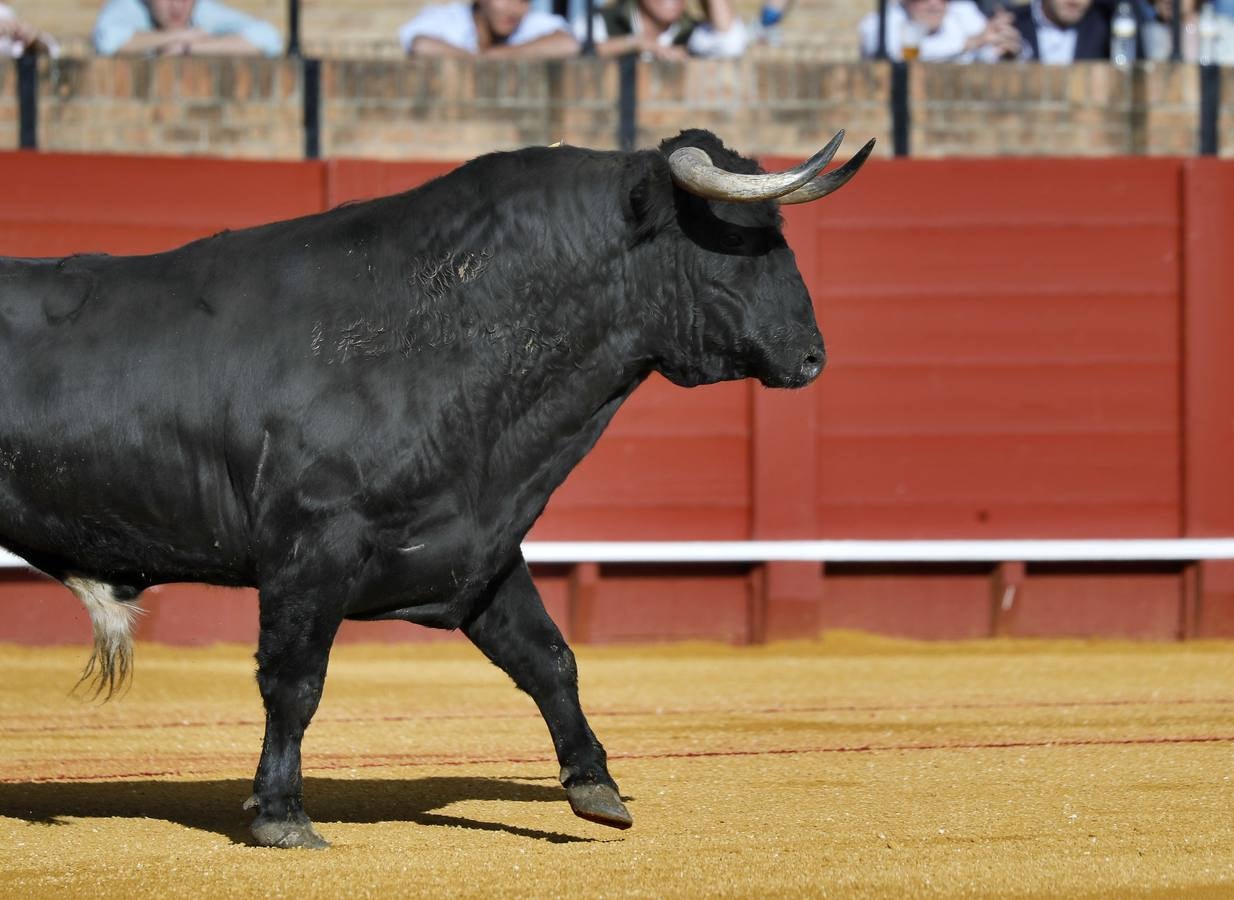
(848, 767)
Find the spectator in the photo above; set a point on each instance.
(1158, 32)
(1062, 31)
(493, 28)
(182, 27)
(663, 29)
(941, 31)
(16, 36)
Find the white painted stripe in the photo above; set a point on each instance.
(880, 551)
(861, 551)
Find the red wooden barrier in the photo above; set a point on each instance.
(1008, 358)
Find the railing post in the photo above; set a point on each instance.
(901, 114)
(627, 101)
(1210, 109)
(28, 101)
(882, 30)
(311, 82)
(293, 27)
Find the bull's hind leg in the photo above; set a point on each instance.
(292, 653)
(517, 634)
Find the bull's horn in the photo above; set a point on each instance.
(832, 181)
(694, 171)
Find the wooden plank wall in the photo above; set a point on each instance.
(1018, 348)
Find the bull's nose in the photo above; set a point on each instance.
(813, 364)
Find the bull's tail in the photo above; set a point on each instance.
(111, 664)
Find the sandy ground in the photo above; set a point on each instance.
(847, 767)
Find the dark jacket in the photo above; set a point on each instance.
(1092, 40)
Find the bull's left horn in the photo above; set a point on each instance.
(694, 171)
(832, 181)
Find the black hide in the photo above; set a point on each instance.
(362, 412)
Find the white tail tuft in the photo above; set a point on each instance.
(111, 663)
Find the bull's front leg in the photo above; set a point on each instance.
(515, 632)
(297, 630)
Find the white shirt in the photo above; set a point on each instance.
(961, 21)
(453, 24)
(1055, 46)
(704, 39)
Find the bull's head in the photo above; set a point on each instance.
(747, 313)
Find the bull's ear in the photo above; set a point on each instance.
(647, 195)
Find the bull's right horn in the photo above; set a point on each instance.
(832, 181)
(694, 171)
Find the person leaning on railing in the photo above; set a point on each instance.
(663, 29)
(16, 36)
(941, 31)
(491, 28)
(182, 27)
(1207, 35)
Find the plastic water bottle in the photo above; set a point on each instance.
(769, 19)
(1122, 36)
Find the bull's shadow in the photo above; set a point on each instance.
(215, 805)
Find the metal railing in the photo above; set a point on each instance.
(899, 101)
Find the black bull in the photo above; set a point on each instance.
(361, 413)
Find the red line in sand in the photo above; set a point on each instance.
(626, 713)
(408, 761)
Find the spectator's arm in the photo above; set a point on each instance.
(557, 45)
(436, 31)
(720, 14)
(221, 45)
(14, 30)
(707, 41)
(118, 23)
(234, 32)
(145, 43)
(619, 46)
(431, 46)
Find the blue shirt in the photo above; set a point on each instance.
(119, 20)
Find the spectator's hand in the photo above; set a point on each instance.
(1000, 33)
(19, 32)
(653, 49)
(180, 41)
(1003, 34)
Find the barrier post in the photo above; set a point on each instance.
(784, 596)
(1208, 382)
(584, 583)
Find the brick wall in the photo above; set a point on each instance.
(8, 105)
(454, 109)
(221, 107)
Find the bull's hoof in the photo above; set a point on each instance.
(599, 803)
(288, 833)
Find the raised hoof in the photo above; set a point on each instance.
(599, 803)
(251, 803)
(287, 834)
